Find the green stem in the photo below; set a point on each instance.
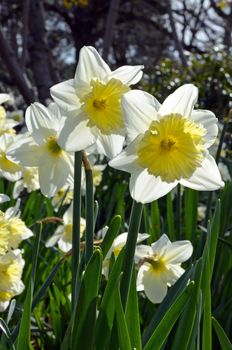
(76, 221)
(89, 215)
(179, 210)
(217, 158)
(127, 269)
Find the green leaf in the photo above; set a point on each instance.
(190, 210)
(188, 318)
(213, 234)
(111, 233)
(85, 313)
(222, 337)
(170, 216)
(107, 308)
(23, 341)
(132, 315)
(170, 298)
(122, 330)
(207, 324)
(166, 324)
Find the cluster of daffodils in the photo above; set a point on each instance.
(160, 145)
(166, 144)
(12, 231)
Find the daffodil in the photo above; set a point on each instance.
(11, 268)
(63, 196)
(6, 124)
(3, 198)
(63, 233)
(12, 229)
(92, 101)
(168, 144)
(160, 266)
(29, 180)
(44, 148)
(116, 248)
(9, 169)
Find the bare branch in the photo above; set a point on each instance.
(17, 74)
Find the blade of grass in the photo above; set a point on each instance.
(222, 337)
(23, 340)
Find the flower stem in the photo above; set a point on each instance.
(76, 221)
(127, 269)
(89, 208)
(179, 210)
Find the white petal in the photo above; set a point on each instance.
(120, 240)
(175, 272)
(142, 251)
(64, 94)
(64, 245)
(110, 145)
(145, 188)
(90, 65)
(4, 198)
(205, 178)
(127, 74)
(178, 252)
(209, 122)
(55, 110)
(18, 188)
(40, 122)
(180, 101)
(25, 151)
(127, 159)
(76, 135)
(4, 98)
(161, 245)
(53, 173)
(55, 238)
(68, 215)
(154, 286)
(140, 109)
(142, 236)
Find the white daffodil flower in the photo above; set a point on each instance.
(116, 248)
(63, 233)
(160, 266)
(44, 148)
(93, 102)
(29, 180)
(6, 124)
(12, 229)
(11, 268)
(9, 169)
(169, 144)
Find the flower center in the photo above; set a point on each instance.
(157, 264)
(172, 148)
(103, 105)
(53, 146)
(8, 165)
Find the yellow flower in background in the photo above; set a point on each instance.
(12, 229)
(11, 268)
(8, 168)
(29, 180)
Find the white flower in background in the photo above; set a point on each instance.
(201, 211)
(116, 248)
(160, 266)
(169, 144)
(29, 180)
(63, 196)
(44, 148)
(9, 169)
(63, 233)
(93, 102)
(12, 229)
(11, 268)
(6, 124)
